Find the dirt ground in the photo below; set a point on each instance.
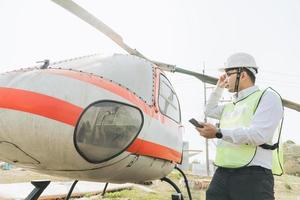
(286, 187)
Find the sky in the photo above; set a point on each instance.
(189, 33)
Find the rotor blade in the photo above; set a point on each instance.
(291, 105)
(96, 23)
(106, 30)
(99, 25)
(173, 68)
(202, 77)
(213, 81)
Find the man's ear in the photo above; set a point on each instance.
(244, 75)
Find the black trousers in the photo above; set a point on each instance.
(247, 183)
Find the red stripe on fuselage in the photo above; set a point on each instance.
(39, 104)
(146, 148)
(59, 110)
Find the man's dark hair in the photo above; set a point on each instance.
(250, 74)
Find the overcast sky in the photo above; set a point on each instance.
(187, 33)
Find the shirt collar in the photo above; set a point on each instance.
(244, 93)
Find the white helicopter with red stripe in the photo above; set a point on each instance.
(112, 119)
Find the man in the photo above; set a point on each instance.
(247, 127)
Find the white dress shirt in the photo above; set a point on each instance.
(263, 125)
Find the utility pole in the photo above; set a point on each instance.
(205, 120)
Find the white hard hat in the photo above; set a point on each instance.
(238, 60)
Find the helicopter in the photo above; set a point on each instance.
(113, 119)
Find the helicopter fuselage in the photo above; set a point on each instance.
(108, 119)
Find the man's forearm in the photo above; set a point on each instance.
(212, 108)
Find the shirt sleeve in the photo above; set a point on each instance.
(212, 109)
(265, 120)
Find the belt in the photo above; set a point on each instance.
(247, 169)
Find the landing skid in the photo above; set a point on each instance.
(104, 190)
(71, 189)
(40, 186)
(178, 195)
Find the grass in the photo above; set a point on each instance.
(287, 187)
(131, 194)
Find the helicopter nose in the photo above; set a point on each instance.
(106, 129)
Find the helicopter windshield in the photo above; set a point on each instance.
(168, 101)
(106, 129)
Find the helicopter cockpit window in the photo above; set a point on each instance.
(168, 101)
(106, 129)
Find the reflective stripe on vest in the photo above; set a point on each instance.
(237, 115)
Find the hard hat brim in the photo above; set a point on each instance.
(251, 69)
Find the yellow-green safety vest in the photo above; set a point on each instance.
(237, 115)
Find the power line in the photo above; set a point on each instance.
(280, 73)
(281, 84)
(205, 120)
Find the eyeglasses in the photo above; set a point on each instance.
(228, 74)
